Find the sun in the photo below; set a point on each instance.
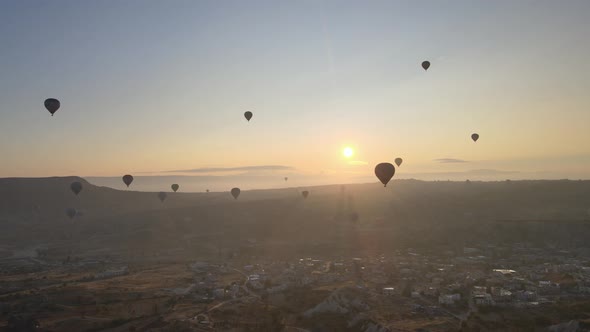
(347, 152)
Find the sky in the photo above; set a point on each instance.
(154, 87)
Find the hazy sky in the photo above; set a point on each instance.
(151, 86)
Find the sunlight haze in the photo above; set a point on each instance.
(147, 87)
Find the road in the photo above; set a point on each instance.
(243, 286)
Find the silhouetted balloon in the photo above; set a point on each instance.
(175, 187)
(305, 193)
(248, 115)
(425, 65)
(384, 172)
(52, 105)
(162, 196)
(127, 179)
(71, 213)
(76, 187)
(207, 190)
(475, 137)
(235, 192)
(286, 178)
(398, 161)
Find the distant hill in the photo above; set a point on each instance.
(335, 217)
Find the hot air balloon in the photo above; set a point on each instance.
(162, 196)
(76, 187)
(475, 137)
(207, 190)
(235, 192)
(248, 115)
(127, 179)
(305, 193)
(425, 65)
(52, 105)
(384, 172)
(71, 213)
(175, 187)
(286, 178)
(398, 161)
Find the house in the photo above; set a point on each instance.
(449, 299)
(499, 291)
(389, 291)
(234, 290)
(219, 293)
(479, 290)
(583, 289)
(526, 296)
(483, 299)
(504, 272)
(431, 291)
(548, 287)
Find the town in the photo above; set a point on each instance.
(439, 288)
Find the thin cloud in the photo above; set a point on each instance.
(473, 172)
(358, 163)
(450, 160)
(489, 172)
(233, 169)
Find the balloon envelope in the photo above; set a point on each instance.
(235, 192)
(175, 187)
(474, 137)
(384, 172)
(398, 161)
(76, 187)
(248, 115)
(162, 196)
(127, 179)
(305, 193)
(286, 178)
(71, 213)
(207, 190)
(52, 105)
(426, 65)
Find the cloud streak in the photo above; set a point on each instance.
(233, 169)
(450, 161)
